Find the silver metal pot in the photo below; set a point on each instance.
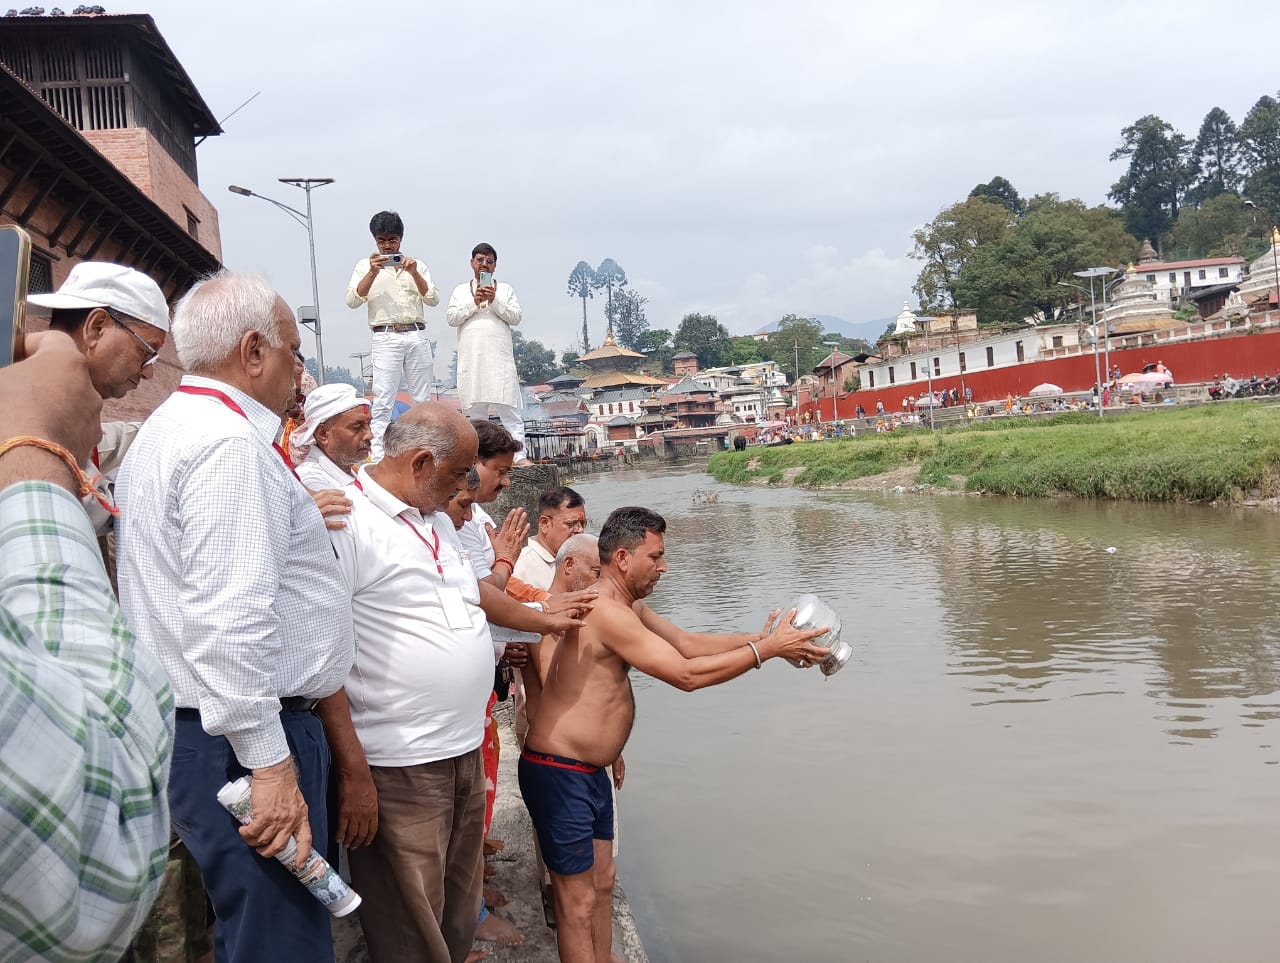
(811, 613)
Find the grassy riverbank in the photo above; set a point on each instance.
(1229, 451)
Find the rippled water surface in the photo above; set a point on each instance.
(1040, 751)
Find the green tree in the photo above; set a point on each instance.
(796, 337)
(950, 239)
(1220, 227)
(744, 350)
(608, 277)
(704, 336)
(1002, 192)
(1151, 189)
(1215, 165)
(1260, 144)
(334, 374)
(656, 345)
(535, 363)
(625, 312)
(568, 359)
(1019, 276)
(582, 282)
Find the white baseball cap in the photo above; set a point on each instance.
(100, 284)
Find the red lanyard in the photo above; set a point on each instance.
(433, 549)
(230, 402)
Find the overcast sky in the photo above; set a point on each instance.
(747, 159)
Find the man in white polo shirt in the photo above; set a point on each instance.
(561, 513)
(406, 731)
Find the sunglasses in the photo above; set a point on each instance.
(485, 259)
(151, 352)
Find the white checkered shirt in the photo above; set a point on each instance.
(226, 571)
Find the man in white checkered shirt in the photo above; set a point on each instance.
(227, 574)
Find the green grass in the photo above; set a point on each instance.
(1227, 451)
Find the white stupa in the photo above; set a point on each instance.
(907, 322)
(1261, 282)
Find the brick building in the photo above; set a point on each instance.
(98, 131)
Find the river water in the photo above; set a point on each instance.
(1040, 751)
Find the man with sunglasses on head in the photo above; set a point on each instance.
(484, 311)
(119, 320)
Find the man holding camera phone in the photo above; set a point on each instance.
(395, 287)
(484, 311)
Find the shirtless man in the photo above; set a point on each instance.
(585, 713)
(577, 568)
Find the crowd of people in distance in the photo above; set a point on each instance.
(336, 629)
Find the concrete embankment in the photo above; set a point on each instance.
(516, 878)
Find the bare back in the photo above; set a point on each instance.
(586, 708)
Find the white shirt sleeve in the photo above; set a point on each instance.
(231, 574)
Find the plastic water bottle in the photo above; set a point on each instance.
(321, 879)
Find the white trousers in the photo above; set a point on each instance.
(406, 354)
(509, 417)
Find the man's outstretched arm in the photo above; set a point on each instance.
(693, 644)
(623, 631)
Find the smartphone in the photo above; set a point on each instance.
(15, 269)
(486, 278)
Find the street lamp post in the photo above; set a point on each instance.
(1097, 374)
(1275, 239)
(928, 370)
(307, 184)
(360, 356)
(1091, 273)
(834, 397)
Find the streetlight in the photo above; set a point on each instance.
(928, 370)
(1096, 362)
(834, 397)
(1091, 273)
(307, 184)
(360, 356)
(1275, 239)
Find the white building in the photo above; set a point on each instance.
(976, 351)
(1174, 278)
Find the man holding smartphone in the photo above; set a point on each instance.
(484, 311)
(395, 287)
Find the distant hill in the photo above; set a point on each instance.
(866, 330)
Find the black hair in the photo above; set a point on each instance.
(483, 248)
(557, 498)
(626, 528)
(386, 222)
(494, 440)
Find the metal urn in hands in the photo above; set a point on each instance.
(812, 612)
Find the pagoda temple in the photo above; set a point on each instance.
(613, 366)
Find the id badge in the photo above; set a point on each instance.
(455, 607)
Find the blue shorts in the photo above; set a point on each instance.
(571, 806)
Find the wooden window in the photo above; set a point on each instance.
(991, 357)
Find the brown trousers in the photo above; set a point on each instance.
(422, 879)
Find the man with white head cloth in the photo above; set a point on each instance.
(227, 574)
(336, 428)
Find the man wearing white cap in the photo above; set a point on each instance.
(118, 319)
(337, 429)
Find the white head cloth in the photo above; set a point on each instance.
(327, 401)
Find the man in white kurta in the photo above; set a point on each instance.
(484, 315)
(395, 287)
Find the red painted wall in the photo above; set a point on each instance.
(1240, 355)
